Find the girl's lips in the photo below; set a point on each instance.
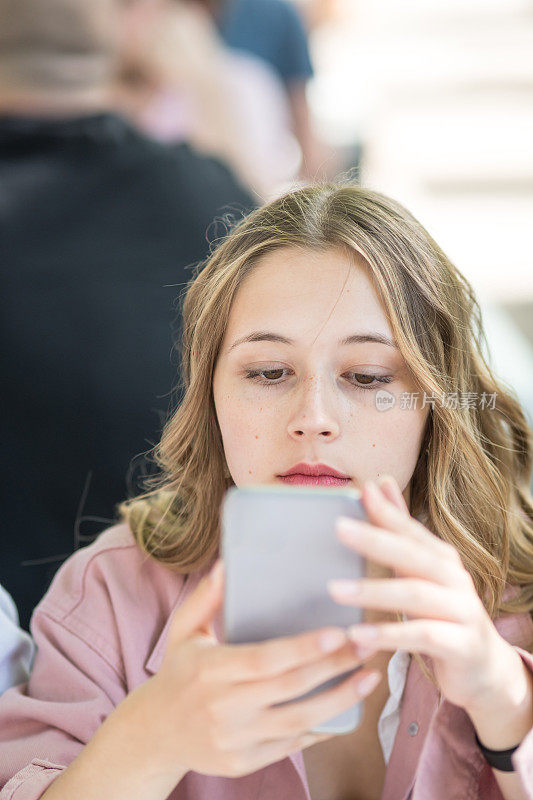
(311, 480)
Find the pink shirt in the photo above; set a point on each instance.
(101, 631)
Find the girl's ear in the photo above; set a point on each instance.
(390, 489)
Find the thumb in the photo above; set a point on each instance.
(391, 490)
(197, 612)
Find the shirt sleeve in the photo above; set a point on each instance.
(294, 58)
(46, 722)
(16, 646)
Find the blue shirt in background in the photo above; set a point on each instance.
(271, 30)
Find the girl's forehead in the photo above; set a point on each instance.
(305, 288)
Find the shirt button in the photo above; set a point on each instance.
(413, 728)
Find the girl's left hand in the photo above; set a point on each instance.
(446, 619)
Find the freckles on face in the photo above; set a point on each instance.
(249, 437)
(392, 441)
(312, 384)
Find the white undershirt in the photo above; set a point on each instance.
(16, 646)
(397, 674)
(390, 716)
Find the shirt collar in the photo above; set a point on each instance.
(192, 579)
(421, 700)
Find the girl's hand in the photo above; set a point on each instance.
(446, 619)
(208, 709)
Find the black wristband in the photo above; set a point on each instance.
(500, 759)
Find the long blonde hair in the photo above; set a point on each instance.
(471, 481)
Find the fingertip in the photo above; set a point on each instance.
(372, 495)
(365, 652)
(388, 488)
(391, 491)
(397, 495)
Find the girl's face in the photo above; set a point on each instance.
(300, 393)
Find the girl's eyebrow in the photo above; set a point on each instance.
(356, 338)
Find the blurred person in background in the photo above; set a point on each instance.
(273, 30)
(178, 81)
(17, 649)
(98, 225)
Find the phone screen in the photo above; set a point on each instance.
(280, 548)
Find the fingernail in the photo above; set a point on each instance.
(332, 640)
(343, 587)
(369, 682)
(372, 489)
(348, 526)
(390, 483)
(386, 482)
(347, 522)
(365, 652)
(362, 632)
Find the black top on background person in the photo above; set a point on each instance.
(98, 226)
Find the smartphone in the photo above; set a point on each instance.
(279, 549)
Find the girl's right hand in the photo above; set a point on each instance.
(208, 709)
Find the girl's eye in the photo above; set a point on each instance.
(363, 381)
